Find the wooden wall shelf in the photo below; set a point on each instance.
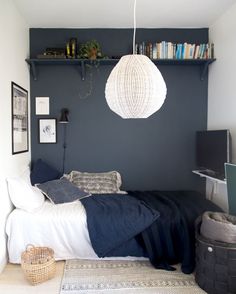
(35, 62)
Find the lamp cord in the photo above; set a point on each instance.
(64, 150)
(134, 26)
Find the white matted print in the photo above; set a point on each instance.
(47, 130)
(42, 105)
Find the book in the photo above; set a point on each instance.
(212, 50)
(184, 49)
(202, 51)
(170, 50)
(159, 50)
(174, 51)
(150, 50)
(163, 49)
(196, 52)
(154, 51)
(191, 51)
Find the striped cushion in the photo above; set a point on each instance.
(96, 183)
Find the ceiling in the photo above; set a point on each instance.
(119, 13)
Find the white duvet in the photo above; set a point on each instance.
(63, 227)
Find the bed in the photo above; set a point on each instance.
(89, 217)
(83, 229)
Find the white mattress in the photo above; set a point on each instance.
(62, 227)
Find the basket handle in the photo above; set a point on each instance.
(29, 246)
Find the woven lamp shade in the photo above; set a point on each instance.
(135, 87)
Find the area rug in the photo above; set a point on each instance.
(106, 277)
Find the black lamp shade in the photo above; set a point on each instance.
(64, 116)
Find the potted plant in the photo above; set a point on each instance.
(90, 50)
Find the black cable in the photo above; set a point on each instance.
(64, 150)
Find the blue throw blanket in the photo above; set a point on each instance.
(162, 222)
(115, 219)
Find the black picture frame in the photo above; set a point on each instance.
(19, 119)
(47, 130)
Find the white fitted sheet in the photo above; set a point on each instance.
(63, 227)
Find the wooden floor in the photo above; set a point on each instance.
(12, 281)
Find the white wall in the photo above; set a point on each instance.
(222, 85)
(14, 48)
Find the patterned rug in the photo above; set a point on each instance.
(103, 276)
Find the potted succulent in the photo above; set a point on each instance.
(90, 50)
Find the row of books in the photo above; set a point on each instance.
(168, 50)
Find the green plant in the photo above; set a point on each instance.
(90, 50)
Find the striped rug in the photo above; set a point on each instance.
(117, 276)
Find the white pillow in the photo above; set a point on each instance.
(23, 195)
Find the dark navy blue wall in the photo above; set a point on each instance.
(153, 153)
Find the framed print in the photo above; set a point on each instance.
(20, 131)
(47, 130)
(42, 105)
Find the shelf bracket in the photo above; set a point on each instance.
(33, 70)
(82, 70)
(204, 69)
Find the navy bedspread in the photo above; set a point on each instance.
(162, 221)
(114, 219)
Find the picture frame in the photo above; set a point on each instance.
(47, 130)
(19, 114)
(42, 106)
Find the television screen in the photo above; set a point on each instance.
(212, 151)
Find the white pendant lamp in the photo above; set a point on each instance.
(135, 87)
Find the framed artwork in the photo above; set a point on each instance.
(47, 130)
(20, 136)
(42, 105)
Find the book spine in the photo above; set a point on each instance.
(203, 51)
(174, 51)
(163, 49)
(159, 50)
(196, 52)
(144, 48)
(178, 50)
(169, 50)
(150, 51)
(212, 51)
(154, 51)
(191, 51)
(187, 54)
(184, 47)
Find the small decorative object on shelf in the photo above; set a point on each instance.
(168, 50)
(73, 47)
(53, 53)
(68, 52)
(90, 50)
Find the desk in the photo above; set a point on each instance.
(198, 172)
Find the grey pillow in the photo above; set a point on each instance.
(62, 191)
(96, 183)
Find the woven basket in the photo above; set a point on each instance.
(215, 264)
(38, 264)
